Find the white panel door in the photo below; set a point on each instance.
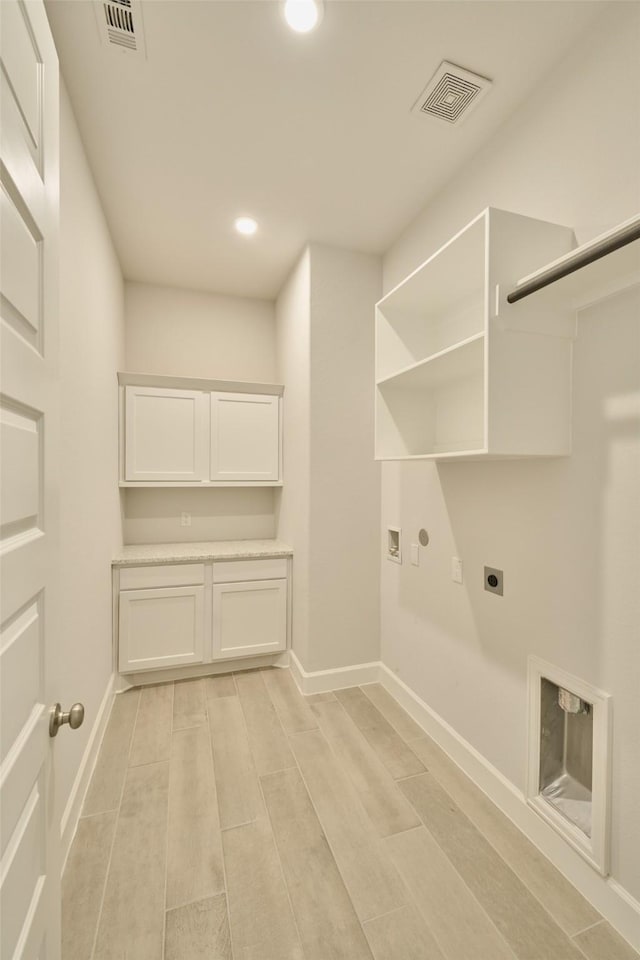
(166, 434)
(249, 618)
(160, 627)
(29, 178)
(245, 437)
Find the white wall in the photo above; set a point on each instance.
(191, 334)
(566, 532)
(345, 481)
(153, 516)
(91, 351)
(293, 314)
(329, 505)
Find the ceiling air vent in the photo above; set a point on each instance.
(451, 94)
(120, 25)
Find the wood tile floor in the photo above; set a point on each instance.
(231, 818)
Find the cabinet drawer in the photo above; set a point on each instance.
(162, 575)
(235, 571)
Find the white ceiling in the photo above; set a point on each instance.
(232, 113)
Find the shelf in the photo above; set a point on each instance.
(437, 306)
(456, 362)
(454, 272)
(414, 424)
(435, 407)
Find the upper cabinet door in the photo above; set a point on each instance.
(245, 437)
(165, 434)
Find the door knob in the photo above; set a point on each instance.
(57, 717)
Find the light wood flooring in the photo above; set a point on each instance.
(231, 818)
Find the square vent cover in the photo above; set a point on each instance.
(451, 94)
(120, 26)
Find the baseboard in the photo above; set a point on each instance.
(71, 814)
(607, 896)
(126, 681)
(319, 681)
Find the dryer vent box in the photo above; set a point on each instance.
(569, 766)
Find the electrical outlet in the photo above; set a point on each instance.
(415, 554)
(456, 569)
(185, 519)
(493, 580)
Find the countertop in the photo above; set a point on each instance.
(204, 550)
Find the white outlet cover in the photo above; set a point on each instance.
(456, 569)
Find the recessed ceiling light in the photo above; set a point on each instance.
(303, 15)
(246, 225)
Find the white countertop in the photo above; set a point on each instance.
(204, 550)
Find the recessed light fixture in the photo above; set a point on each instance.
(247, 226)
(303, 15)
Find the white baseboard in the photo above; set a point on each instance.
(607, 896)
(126, 681)
(72, 811)
(320, 681)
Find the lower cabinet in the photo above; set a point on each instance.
(176, 614)
(249, 618)
(161, 627)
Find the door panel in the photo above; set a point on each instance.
(23, 66)
(165, 435)
(22, 494)
(245, 433)
(249, 618)
(30, 76)
(161, 627)
(29, 822)
(22, 260)
(24, 864)
(20, 656)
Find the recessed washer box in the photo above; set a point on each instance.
(394, 544)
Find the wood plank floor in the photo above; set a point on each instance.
(235, 819)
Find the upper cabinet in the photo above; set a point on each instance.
(165, 434)
(176, 432)
(245, 430)
(459, 372)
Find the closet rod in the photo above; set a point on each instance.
(596, 251)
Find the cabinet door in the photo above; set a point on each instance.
(160, 627)
(249, 618)
(166, 434)
(245, 437)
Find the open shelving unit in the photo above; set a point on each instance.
(457, 374)
(436, 404)
(462, 372)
